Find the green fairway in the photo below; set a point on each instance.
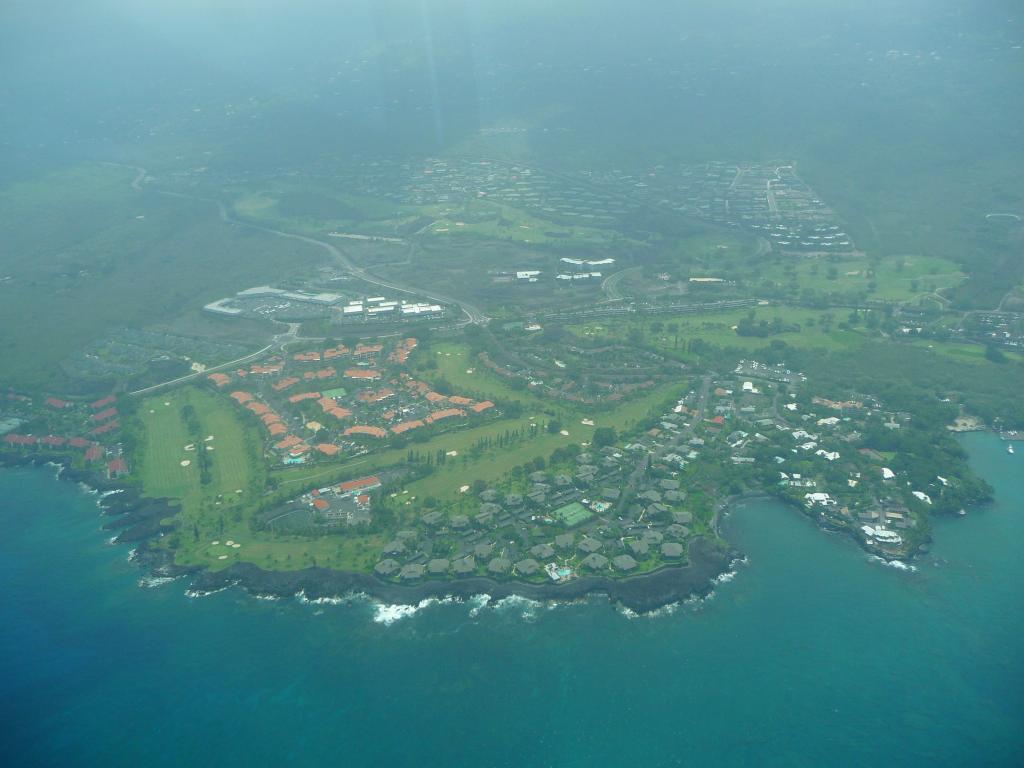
(237, 473)
(818, 329)
(469, 377)
(963, 352)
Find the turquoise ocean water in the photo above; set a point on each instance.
(811, 655)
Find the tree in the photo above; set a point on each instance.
(554, 426)
(604, 436)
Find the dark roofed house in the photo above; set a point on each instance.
(460, 521)
(669, 485)
(527, 567)
(543, 551)
(653, 537)
(589, 544)
(386, 567)
(483, 549)
(624, 562)
(674, 496)
(489, 494)
(563, 480)
(610, 494)
(677, 531)
(538, 477)
(639, 547)
(432, 518)
(489, 508)
(411, 572)
(671, 549)
(595, 561)
(395, 547)
(464, 565)
(564, 540)
(499, 565)
(683, 518)
(513, 499)
(438, 566)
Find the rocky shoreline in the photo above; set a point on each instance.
(641, 594)
(140, 519)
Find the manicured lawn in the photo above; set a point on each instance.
(962, 352)
(896, 278)
(718, 328)
(216, 510)
(470, 377)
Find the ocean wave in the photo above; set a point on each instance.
(345, 599)
(387, 614)
(899, 565)
(150, 582)
(195, 593)
(657, 613)
(527, 608)
(477, 603)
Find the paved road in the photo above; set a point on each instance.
(610, 286)
(205, 371)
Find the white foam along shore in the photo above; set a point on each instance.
(899, 565)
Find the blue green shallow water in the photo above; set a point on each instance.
(812, 655)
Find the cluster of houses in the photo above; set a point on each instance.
(768, 199)
(583, 515)
(83, 431)
(319, 403)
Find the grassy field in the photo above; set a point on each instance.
(502, 222)
(963, 352)
(237, 468)
(314, 209)
(718, 328)
(235, 465)
(469, 377)
(896, 278)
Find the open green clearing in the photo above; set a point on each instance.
(313, 209)
(235, 461)
(818, 329)
(482, 218)
(454, 365)
(963, 352)
(895, 278)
